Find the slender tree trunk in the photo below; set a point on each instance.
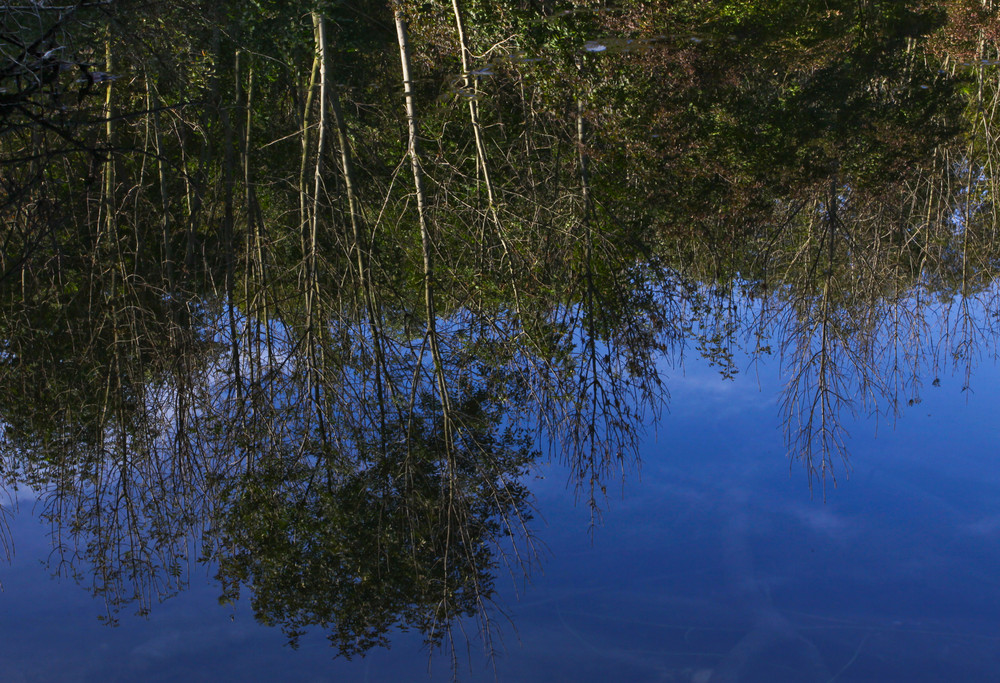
(425, 230)
(450, 482)
(304, 164)
(312, 278)
(481, 160)
(110, 181)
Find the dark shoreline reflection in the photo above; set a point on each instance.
(274, 301)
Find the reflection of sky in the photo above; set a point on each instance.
(893, 578)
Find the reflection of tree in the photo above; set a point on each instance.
(407, 539)
(869, 293)
(246, 322)
(93, 400)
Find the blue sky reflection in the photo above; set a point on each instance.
(713, 562)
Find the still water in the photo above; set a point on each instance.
(718, 564)
(308, 310)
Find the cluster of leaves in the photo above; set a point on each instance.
(409, 539)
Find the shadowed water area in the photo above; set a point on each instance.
(539, 342)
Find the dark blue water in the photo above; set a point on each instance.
(717, 564)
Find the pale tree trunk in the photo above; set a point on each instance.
(108, 186)
(425, 231)
(481, 161)
(312, 276)
(452, 511)
(304, 163)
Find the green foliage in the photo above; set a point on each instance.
(407, 539)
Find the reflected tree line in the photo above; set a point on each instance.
(303, 290)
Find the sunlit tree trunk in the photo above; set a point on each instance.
(451, 514)
(313, 340)
(470, 84)
(425, 230)
(304, 162)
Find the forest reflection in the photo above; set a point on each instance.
(304, 292)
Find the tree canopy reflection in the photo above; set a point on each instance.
(303, 291)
